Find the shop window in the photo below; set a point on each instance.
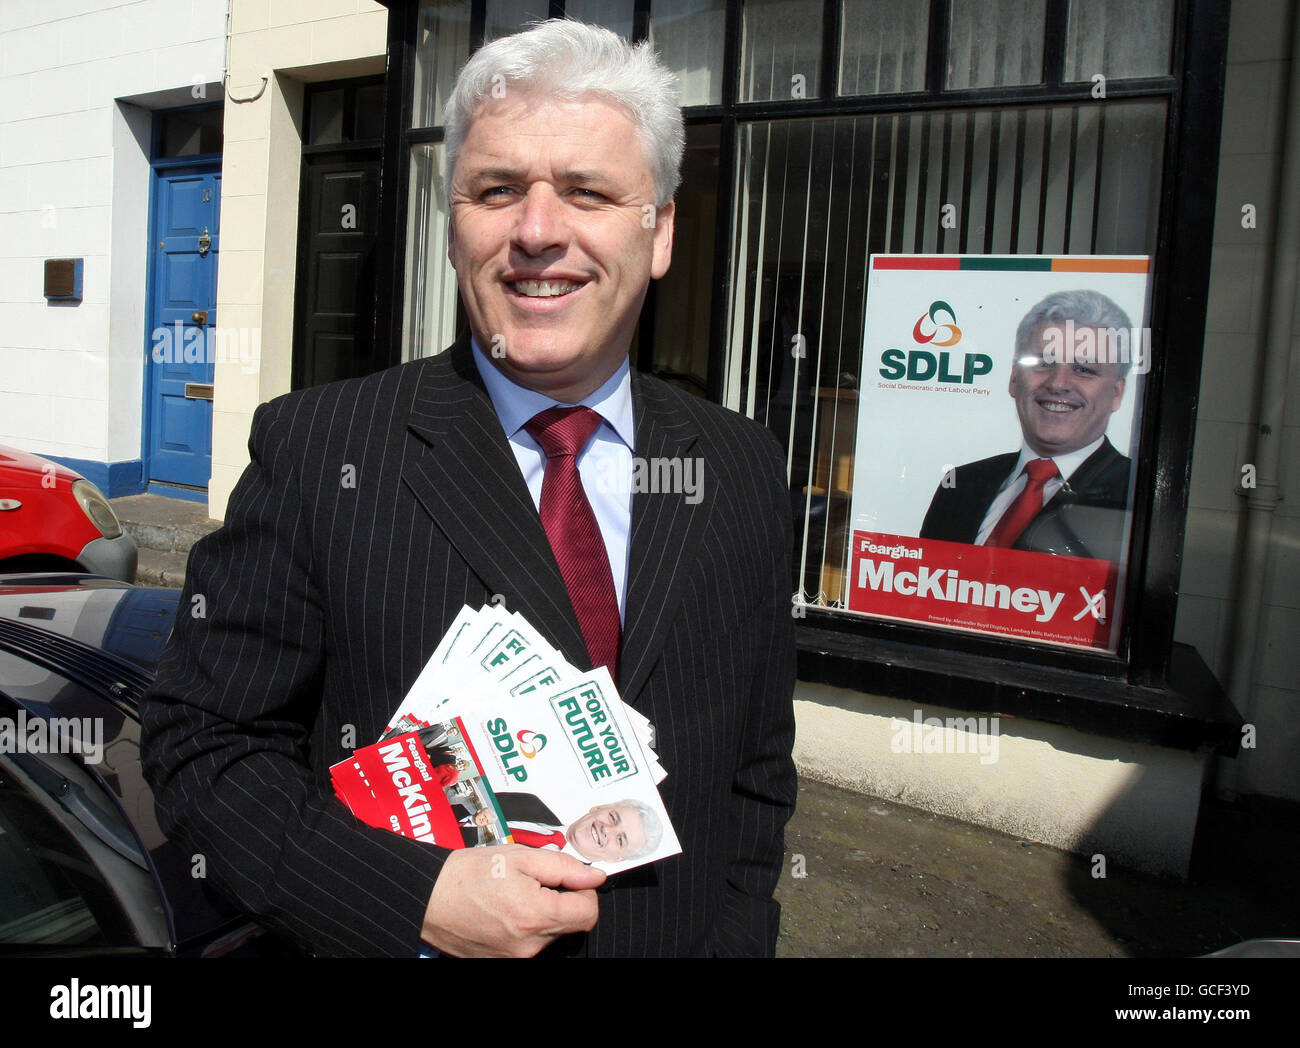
(816, 198)
(781, 53)
(996, 43)
(820, 135)
(883, 46)
(1118, 38)
(616, 15)
(689, 36)
(509, 16)
(430, 321)
(442, 47)
(683, 300)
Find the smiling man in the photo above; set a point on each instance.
(373, 509)
(555, 235)
(608, 833)
(1066, 490)
(615, 832)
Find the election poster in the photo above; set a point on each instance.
(998, 427)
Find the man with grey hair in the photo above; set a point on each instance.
(472, 482)
(1066, 491)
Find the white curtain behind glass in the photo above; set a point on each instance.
(430, 322)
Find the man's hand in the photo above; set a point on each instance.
(502, 902)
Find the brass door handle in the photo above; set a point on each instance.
(199, 317)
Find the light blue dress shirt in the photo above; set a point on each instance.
(605, 466)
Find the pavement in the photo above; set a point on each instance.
(865, 877)
(164, 529)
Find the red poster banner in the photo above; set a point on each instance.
(1058, 599)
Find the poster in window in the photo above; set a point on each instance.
(998, 426)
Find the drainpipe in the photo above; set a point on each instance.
(225, 76)
(1262, 500)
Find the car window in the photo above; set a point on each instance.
(59, 886)
(50, 892)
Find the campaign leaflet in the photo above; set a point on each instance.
(493, 645)
(461, 761)
(562, 770)
(950, 416)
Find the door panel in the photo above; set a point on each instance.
(183, 317)
(334, 319)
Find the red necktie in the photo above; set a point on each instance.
(533, 839)
(573, 531)
(1026, 505)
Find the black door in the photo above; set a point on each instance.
(334, 311)
(336, 287)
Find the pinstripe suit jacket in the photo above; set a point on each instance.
(371, 511)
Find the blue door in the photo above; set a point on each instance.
(183, 343)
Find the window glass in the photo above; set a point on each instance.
(996, 43)
(191, 133)
(368, 120)
(430, 322)
(883, 46)
(815, 198)
(689, 34)
(509, 16)
(684, 298)
(326, 117)
(50, 892)
(781, 50)
(1118, 38)
(441, 48)
(615, 16)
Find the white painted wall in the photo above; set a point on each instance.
(74, 179)
(1134, 804)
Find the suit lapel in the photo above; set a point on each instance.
(1086, 482)
(462, 471)
(970, 507)
(666, 533)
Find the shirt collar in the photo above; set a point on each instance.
(516, 404)
(1065, 464)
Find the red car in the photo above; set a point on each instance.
(53, 519)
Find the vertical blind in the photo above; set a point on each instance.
(816, 197)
